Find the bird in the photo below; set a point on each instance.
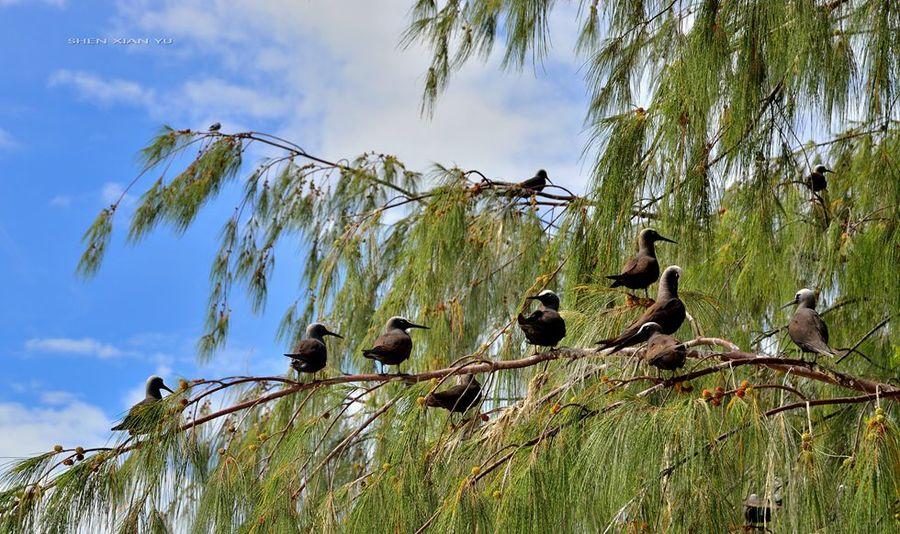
(662, 351)
(806, 328)
(215, 127)
(544, 327)
(668, 312)
(394, 345)
(816, 179)
(140, 418)
(310, 355)
(536, 183)
(642, 270)
(758, 511)
(459, 398)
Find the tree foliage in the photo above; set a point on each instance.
(570, 439)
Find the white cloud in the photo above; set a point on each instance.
(216, 94)
(85, 346)
(113, 191)
(351, 89)
(103, 92)
(59, 419)
(61, 201)
(7, 141)
(55, 3)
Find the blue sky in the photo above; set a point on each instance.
(74, 353)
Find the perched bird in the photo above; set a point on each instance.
(758, 511)
(544, 327)
(807, 330)
(663, 352)
(394, 345)
(536, 183)
(816, 179)
(459, 398)
(668, 312)
(140, 418)
(642, 270)
(215, 127)
(310, 354)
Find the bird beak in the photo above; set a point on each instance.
(549, 181)
(829, 170)
(165, 387)
(334, 334)
(791, 303)
(661, 238)
(414, 325)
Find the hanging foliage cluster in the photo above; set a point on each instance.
(573, 438)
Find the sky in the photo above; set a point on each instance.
(74, 353)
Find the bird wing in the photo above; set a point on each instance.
(664, 314)
(457, 398)
(137, 416)
(658, 313)
(391, 345)
(306, 349)
(635, 265)
(810, 332)
(535, 317)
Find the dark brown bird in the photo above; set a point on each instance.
(816, 179)
(662, 351)
(310, 355)
(668, 312)
(141, 417)
(459, 398)
(536, 183)
(642, 270)
(758, 511)
(807, 329)
(544, 327)
(394, 346)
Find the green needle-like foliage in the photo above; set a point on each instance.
(740, 100)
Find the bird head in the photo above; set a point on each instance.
(319, 330)
(547, 298)
(822, 169)
(402, 323)
(668, 282)
(649, 235)
(542, 174)
(805, 297)
(649, 328)
(154, 385)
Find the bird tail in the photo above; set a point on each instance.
(120, 426)
(616, 281)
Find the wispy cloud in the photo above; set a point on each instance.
(331, 76)
(85, 346)
(59, 418)
(55, 3)
(7, 141)
(61, 201)
(113, 191)
(103, 91)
